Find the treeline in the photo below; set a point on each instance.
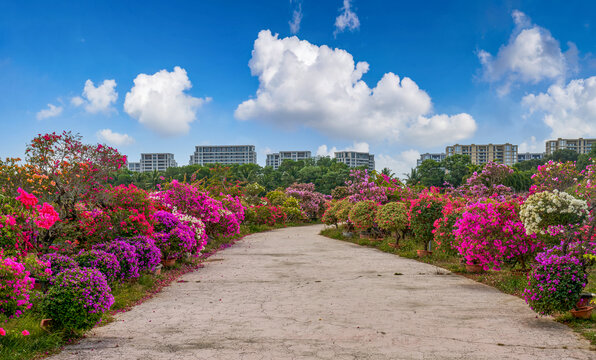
(325, 173)
(457, 168)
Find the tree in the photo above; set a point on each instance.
(457, 168)
(431, 173)
(563, 155)
(413, 177)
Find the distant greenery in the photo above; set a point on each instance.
(457, 168)
(325, 173)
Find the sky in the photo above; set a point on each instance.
(390, 77)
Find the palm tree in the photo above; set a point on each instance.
(413, 177)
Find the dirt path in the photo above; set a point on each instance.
(292, 294)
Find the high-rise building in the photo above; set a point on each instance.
(224, 154)
(356, 159)
(134, 166)
(276, 159)
(481, 154)
(438, 157)
(529, 156)
(580, 146)
(152, 162)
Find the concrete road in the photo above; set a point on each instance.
(292, 294)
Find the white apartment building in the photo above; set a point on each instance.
(438, 157)
(224, 154)
(529, 156)
(153, 161)
(356, 159)
(276, 159)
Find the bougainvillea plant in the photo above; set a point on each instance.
(363, 215)
(105, 262)
(15, 287)
(126, 254)
(393, 217)
(311, 202)
(490, 233)
(423, 212)
(77, 299)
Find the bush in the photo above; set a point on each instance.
(393, 217)
(363, 213)
(343, 210)
(424, 211)
(340, 192)
(148, 253)
(276, 197)
(555, 283)
(268, 215)
(330, 215)
(294, 215)
(38, 269)
(550, 212)
(59, 262)
(126, 255)
(77, 299)
(103, 261)
(15, 286)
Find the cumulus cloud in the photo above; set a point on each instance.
(347, 19)
(324, 150)
(569, 110)
(529, 145)
(301, 84)
(159, 101)
(97, 99)
(296, 17)
(114, 138)
(531, 56)
(400, 164)
(51, 111)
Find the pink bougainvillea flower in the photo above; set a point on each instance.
(2, 332)
(25, 332)
(26, 199)
(47, 216)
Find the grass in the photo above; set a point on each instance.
(506, 280)
(39, 343)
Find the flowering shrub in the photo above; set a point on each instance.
(148, 253)
(362, 186)
(126, 255)
(555, 283)
(228, 224)
(551, 211)
(15, 286)
(311, 202)
(105, 262)
(443, 232)
(489, 182)
(268, 215)
(423, 213)
(489, 234)
(342, 213)
(393, 217)
(330, 215)
(39, 269)
(59, 262)
(187, 199)
(77, 299)
(339, 192)
(294, 215)
(554, 176)
(235, 206)
(174, 237)
(276, 197)
(363, 213)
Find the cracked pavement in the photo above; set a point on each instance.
(292, 294)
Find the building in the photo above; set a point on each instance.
(580, 146)
(276, 159)
(438, 157)
(153, 161)
(224, 154)
(482, 154)
(529, 156)
(356, 159)
(134, 166)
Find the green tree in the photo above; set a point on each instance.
(431, 173)
(457, 168)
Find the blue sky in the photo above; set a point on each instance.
(478, 71)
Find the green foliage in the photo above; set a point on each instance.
(339, 192)
(423, 216)
(276, 197)
(431, 173)
(563, 155)
(392, 216)
(291, 202)
(342, 213)
(363, 213)
(294, 214)
(457, 168)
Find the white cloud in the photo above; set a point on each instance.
(114, 138)
(301, 84)
(97, 99)
(296, 18)
(347, 19)
(570, 111)
(159, 102)
(323, 150)
(51, 111)
(531, 56)
(400, 164)
(529, 145)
